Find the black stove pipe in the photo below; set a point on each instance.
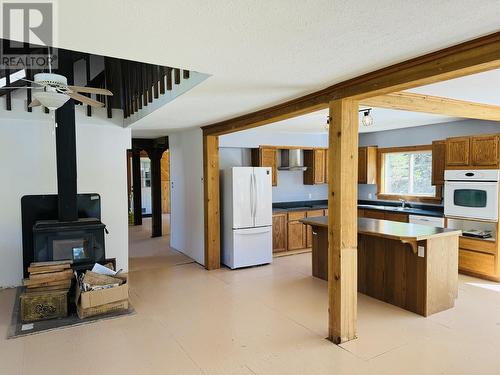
(66, 146)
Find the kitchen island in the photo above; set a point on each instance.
(408, 265)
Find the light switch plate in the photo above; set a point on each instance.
(421, 251)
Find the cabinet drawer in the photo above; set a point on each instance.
(481, 246)
(296, 215)
(476, 262)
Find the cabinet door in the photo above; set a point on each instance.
(458, 152)
(279, 232)
(484, 151)
(296, 235)
(362, 165)
(309, 235)
(268, 158)
(367, 165)
(396, 216)
(438, 162)
(319, 166)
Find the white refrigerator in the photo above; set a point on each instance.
(247, 238)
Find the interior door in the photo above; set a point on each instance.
(263, 197)
(243, 197)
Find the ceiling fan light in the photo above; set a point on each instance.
(51, 100)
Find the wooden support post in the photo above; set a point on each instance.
(136, 186)
(211, 199)
(342, 223)
(156, 214)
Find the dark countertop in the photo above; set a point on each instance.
(409, 210)
(414, 209)
(390, 229)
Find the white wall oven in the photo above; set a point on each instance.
(471, 194)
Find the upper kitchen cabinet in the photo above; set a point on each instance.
(367, 165)
(438, 162)
(479, 152)
(484, 150)
(266, 157)
(457, 152)
(315, 161)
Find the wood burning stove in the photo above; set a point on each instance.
(81, 241)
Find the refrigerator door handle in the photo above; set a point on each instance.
(251, 231)
(254, 210)
(251, 198)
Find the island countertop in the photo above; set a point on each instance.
(390, 229)
(423, 280)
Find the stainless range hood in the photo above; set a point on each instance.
(292, 160)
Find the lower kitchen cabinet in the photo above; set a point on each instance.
(373, 214)
(396, 216)
(309, 233)
(279, 232)
(479, 258)
(296, 235)
(383, 215)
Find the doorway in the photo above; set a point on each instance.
(141, 243)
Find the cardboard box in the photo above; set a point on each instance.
(102, 301)
(102, 309)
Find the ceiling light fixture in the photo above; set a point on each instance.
(367, 119)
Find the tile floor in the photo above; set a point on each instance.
(262, 320)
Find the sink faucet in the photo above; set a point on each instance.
(403, 203)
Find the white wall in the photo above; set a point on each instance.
(235, 152)
(28, 166)
(186, 178)
(255, 138)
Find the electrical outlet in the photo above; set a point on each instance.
(310, 196)
(370, 195)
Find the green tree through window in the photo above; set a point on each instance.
(408, 173)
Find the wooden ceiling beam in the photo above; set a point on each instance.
(409, 101)
(475, 56)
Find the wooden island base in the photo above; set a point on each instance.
(397, 264)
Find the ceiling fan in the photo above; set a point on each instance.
(52, 91)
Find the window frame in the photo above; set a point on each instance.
(381, 152)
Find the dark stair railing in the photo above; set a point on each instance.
(134, 85)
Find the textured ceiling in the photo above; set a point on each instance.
(260, 53)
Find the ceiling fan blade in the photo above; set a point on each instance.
(20, 87)
(91, 90)
(36, 83)
(84, 99)
(35, 103)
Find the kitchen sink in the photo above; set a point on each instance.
(402, 208)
